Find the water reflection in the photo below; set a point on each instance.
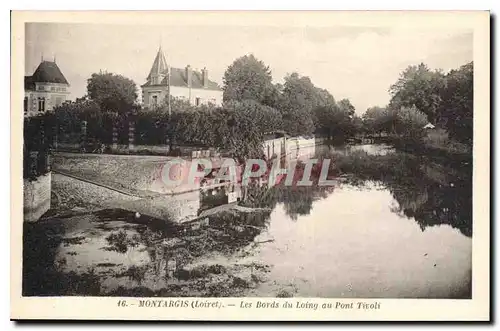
(351, 246)
(394, 225)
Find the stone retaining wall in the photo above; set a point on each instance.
(36, 197)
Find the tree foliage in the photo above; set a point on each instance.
(301, 107)
(446, 99)
(377, 120)
(112, 92)
(420, 87)
(248, 78)
(299, 99)
(334, 122)
(410, 123)
(458, 103)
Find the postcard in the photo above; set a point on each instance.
(250, 166)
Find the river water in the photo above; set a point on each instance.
(393, 226)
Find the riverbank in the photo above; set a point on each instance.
(435, 144)
(283, 241)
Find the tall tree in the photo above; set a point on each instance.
(300, 98)
(346, 107)
(377, 119)
(248, 78)
(420, 87)
(112, 92)
(458, 103)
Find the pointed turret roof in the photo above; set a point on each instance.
(159, 65)
(48, 72)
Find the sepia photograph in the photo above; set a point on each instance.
(281, 161)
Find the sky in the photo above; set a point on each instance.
(355, 62)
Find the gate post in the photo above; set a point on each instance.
(131, 133)
(114, 138)
(83, 136)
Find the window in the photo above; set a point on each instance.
(58, 101)
(41, 104)
(198, 101)
(155, 100)
(53, 89)
(41, 88)
(25, 105)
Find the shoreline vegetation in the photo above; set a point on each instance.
(429, 112)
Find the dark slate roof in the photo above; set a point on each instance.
(29, 84)
(159, 65)
(48, 72)
(178, 78)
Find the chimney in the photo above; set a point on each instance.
(205, 77)
(189, 75)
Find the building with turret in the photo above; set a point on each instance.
(46, 89)
(187, 84)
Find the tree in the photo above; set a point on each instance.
(248, 78)
(247, 122)
(346, 107)
(264, 118)
(334, 122)
(410, 123)
(420, 87)
(377, 119)
(112, 92)
(300, 98)
(357, 125)
(458, 103)
(70, 115)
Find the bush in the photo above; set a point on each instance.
(410, 123)
(439, 139)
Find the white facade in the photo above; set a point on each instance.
(183, 83)
(45, 98)
(197, 97)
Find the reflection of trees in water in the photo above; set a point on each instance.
(297, 200)
(432, 193)
(439, 204)
(430, 190)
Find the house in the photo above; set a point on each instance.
(46, 89)
(187, 84)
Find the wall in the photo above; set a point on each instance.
(60, 93)
(149, 91)
(185, 93)
(36, 196)
(301, 148)
(274, 146)
(205, 95)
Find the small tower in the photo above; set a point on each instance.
(159, 70)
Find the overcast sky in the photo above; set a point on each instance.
(358, 63)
